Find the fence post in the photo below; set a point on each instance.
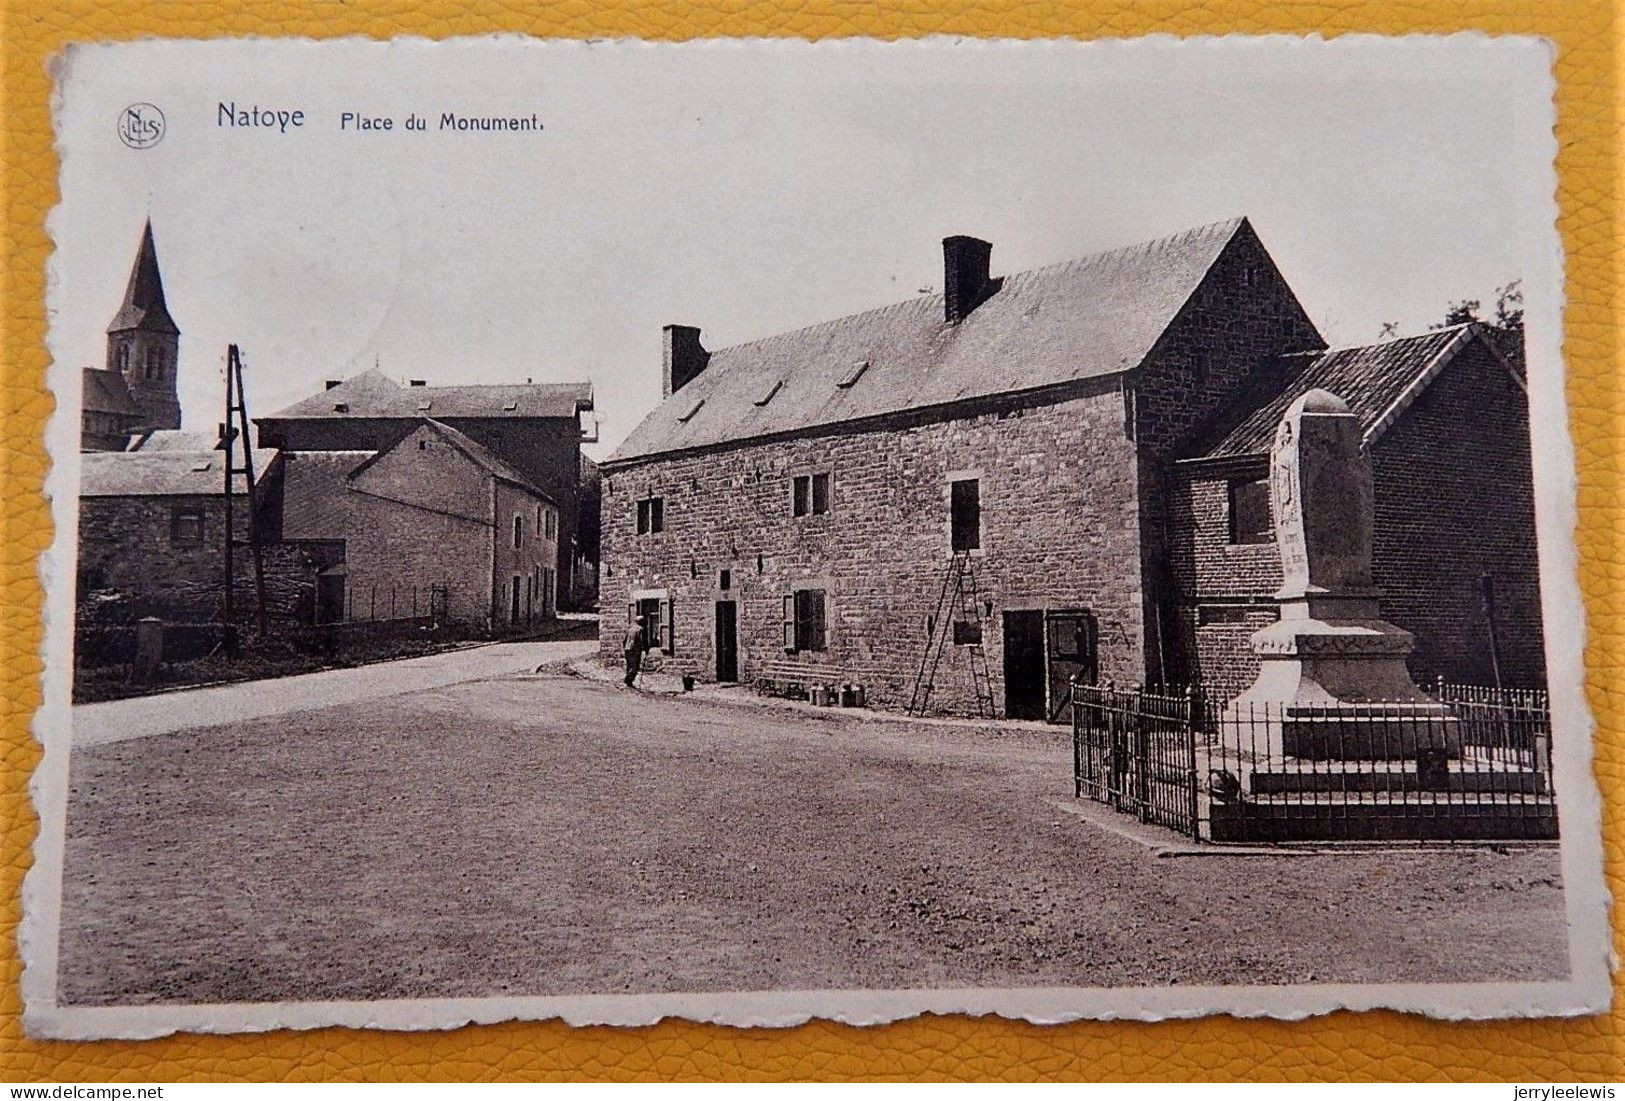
(149, 648)
(1077, 741)
(1193, 704)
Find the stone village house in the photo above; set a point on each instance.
(434, 512)
(533, 428)
(433, 525)
(1085, 440)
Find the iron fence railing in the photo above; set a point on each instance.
(1468, 762)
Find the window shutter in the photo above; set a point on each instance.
(789, 623)
(631, 613)
(815, 626)
(667, 632)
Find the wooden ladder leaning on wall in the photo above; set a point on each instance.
(959, 601)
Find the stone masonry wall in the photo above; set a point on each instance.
(1239, 320)
(130, 567)
(1059, 530)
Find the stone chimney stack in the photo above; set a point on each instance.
(684, 357)
(965, 281)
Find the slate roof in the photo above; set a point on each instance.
(1091, 317)
(106, 392)
(160, 474)
(314, 488)
(144, 306)
(172, 439)
(374, 394)
(1376, 380)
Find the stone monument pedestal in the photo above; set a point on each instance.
(1332, 682)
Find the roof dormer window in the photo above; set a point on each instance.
(341, 407)
(511, 407)
(853, 373)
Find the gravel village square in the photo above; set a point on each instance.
(492, 821)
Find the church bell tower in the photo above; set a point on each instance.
(143, 341)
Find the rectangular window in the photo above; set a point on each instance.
(518, 531)
(651, 516)
(1250, 512)
(186, 526)
(809, 495)
(965, 507)
(804, 626)
(967, 632)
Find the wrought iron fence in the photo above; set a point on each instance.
(384, 603)
(1469, 762)
(1136, 751)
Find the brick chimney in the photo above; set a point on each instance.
(965, 282)
(684, 357)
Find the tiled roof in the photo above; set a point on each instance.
(105, 392)
(1090, 317)
(374, 394)
(161, 473)
(1373, 379)
(314, 488)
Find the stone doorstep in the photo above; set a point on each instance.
(659, 683)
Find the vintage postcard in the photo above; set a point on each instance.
(752, 531)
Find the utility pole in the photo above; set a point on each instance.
(236, 431)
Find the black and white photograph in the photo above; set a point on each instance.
(758, 530)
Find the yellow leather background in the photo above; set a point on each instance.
(1343, 1046)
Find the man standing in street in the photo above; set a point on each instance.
(633, 645)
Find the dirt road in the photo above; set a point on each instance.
(546, 835)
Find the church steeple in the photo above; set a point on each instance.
(143, 341)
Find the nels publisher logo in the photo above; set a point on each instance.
(141, 125)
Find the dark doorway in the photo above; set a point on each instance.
(727, 640)
(1071, 653)
(1024, 665)
(329, 597)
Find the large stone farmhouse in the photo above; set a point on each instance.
(1051, 475)
(534, 428)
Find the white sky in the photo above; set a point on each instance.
(752, 188)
